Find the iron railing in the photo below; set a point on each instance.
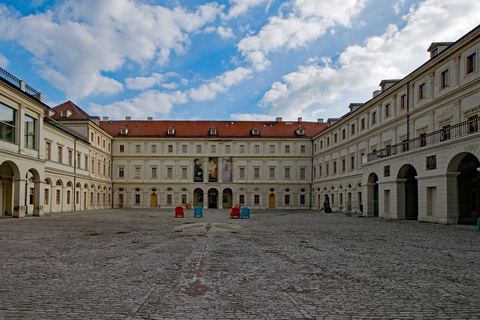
(4, 74)
(429, 139)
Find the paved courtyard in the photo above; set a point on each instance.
(145, 264)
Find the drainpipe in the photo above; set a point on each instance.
(311, 177)
(408, 111)
(75, 175)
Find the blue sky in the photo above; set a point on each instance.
(224, 60)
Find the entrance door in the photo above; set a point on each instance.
(271, 201)
(120, 200)
(84, 201)
(212, 200)
(153, 200)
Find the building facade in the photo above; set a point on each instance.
(411, 152)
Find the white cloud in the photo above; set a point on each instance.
(397, 7)
(220, 84)
(307, 21)
(142, 83)
(252, 117)
(146, 104)
(225, 33)
(360, 69)
(3, 61)
(97, 37)
(240, 7)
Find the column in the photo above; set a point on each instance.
(39, 194)
(19, 198)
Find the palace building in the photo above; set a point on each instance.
(410, 152)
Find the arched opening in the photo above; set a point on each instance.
(372, 194)
(213, 198)
(7, 172)
(198, 197)
(468, 182)
(408, 173)
(271, 199)
(153, 198)
(227, 198)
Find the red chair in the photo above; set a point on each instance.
(179, 212)
(235, 214)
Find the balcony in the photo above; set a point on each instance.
(453, 132)
(20, 84)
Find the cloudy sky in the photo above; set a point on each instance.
(223, 60)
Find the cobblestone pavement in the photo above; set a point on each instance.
(146, 264)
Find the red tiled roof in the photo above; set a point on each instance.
(77, 112)
(201, 129)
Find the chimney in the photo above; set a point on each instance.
(279, 119)
(299, 119)
(105, 118)
(128, 118)
(149, 118)
(376, 93)
(320, 120)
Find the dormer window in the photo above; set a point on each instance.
(255, 131)
(64, 113)
(213, 131)
(123, 130)
(171, 131)
(300, 131)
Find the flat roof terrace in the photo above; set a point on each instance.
(279, 264)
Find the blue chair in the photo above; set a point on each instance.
(197, 212)
(245, 213)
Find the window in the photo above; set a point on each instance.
(242, 172)
(473, 124)
(154, 172)
(154, 148)
(170, 148)
(77, 197)
(86, 162)
(272, 148)
(98, 141)
(169, 172)
(184, 148)
(121, 172)
(388, 149)
(122, 148)
(344, 134)
(138, 148)
(48, 150)
(335, 138)
(227, 148)
(327, 169)
(29, 132)
(108, 146)
(57, 198)
(92, 137)
(445, 79)
(423, 140)
(199, 148)
(272, 173)
(302, 199)
(472, 63)
(184, 199)
(213, 148)
(362, 124)
(328, 141)
(287, 199)
(320, 170)
(63, 113)
(184, 173)
(256, 148)
(334, 167)
(256, 172)
(352, 131)
(213, 131)
(79, 157)
(321, 144)
(242, 148)
(241, 199)
(374, 117)
(68, 196)
(60, 154)
(169, 199)
(302, 149)
(314, 172)
(46, 196)
(344, 165)
(287, 149)
(137, 172)
(287, 173)
(387, 110)
(302, 173)
(104, 142)
(256, 199)
(403, 101)
(352, 162)
(422, 91)
(70, 157)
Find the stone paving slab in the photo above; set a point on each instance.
(279, 264)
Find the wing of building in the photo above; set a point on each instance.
(410, 152)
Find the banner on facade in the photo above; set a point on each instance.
(213, 169)
(197, 170)
(227, 169)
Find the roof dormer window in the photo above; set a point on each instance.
(213, 131)
(300, 131)
(255, 131)
(63, 113)
(171, 130)
(123, 130)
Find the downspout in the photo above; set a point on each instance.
(111, 173)
(75, 175)
(408, 112)
(311, 177)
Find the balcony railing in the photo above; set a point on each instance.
(20, 84)
(439, 136)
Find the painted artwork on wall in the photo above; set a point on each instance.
(213, 169)
(197, 171)
(227, 169)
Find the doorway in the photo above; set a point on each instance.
(212, 198)
(271, 201)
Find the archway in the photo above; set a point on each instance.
(7, 172)
(468, 186)
(271, 199)
(227, 198)
(372, 194)
(213, 198)
(408, 173)
(198, 197)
